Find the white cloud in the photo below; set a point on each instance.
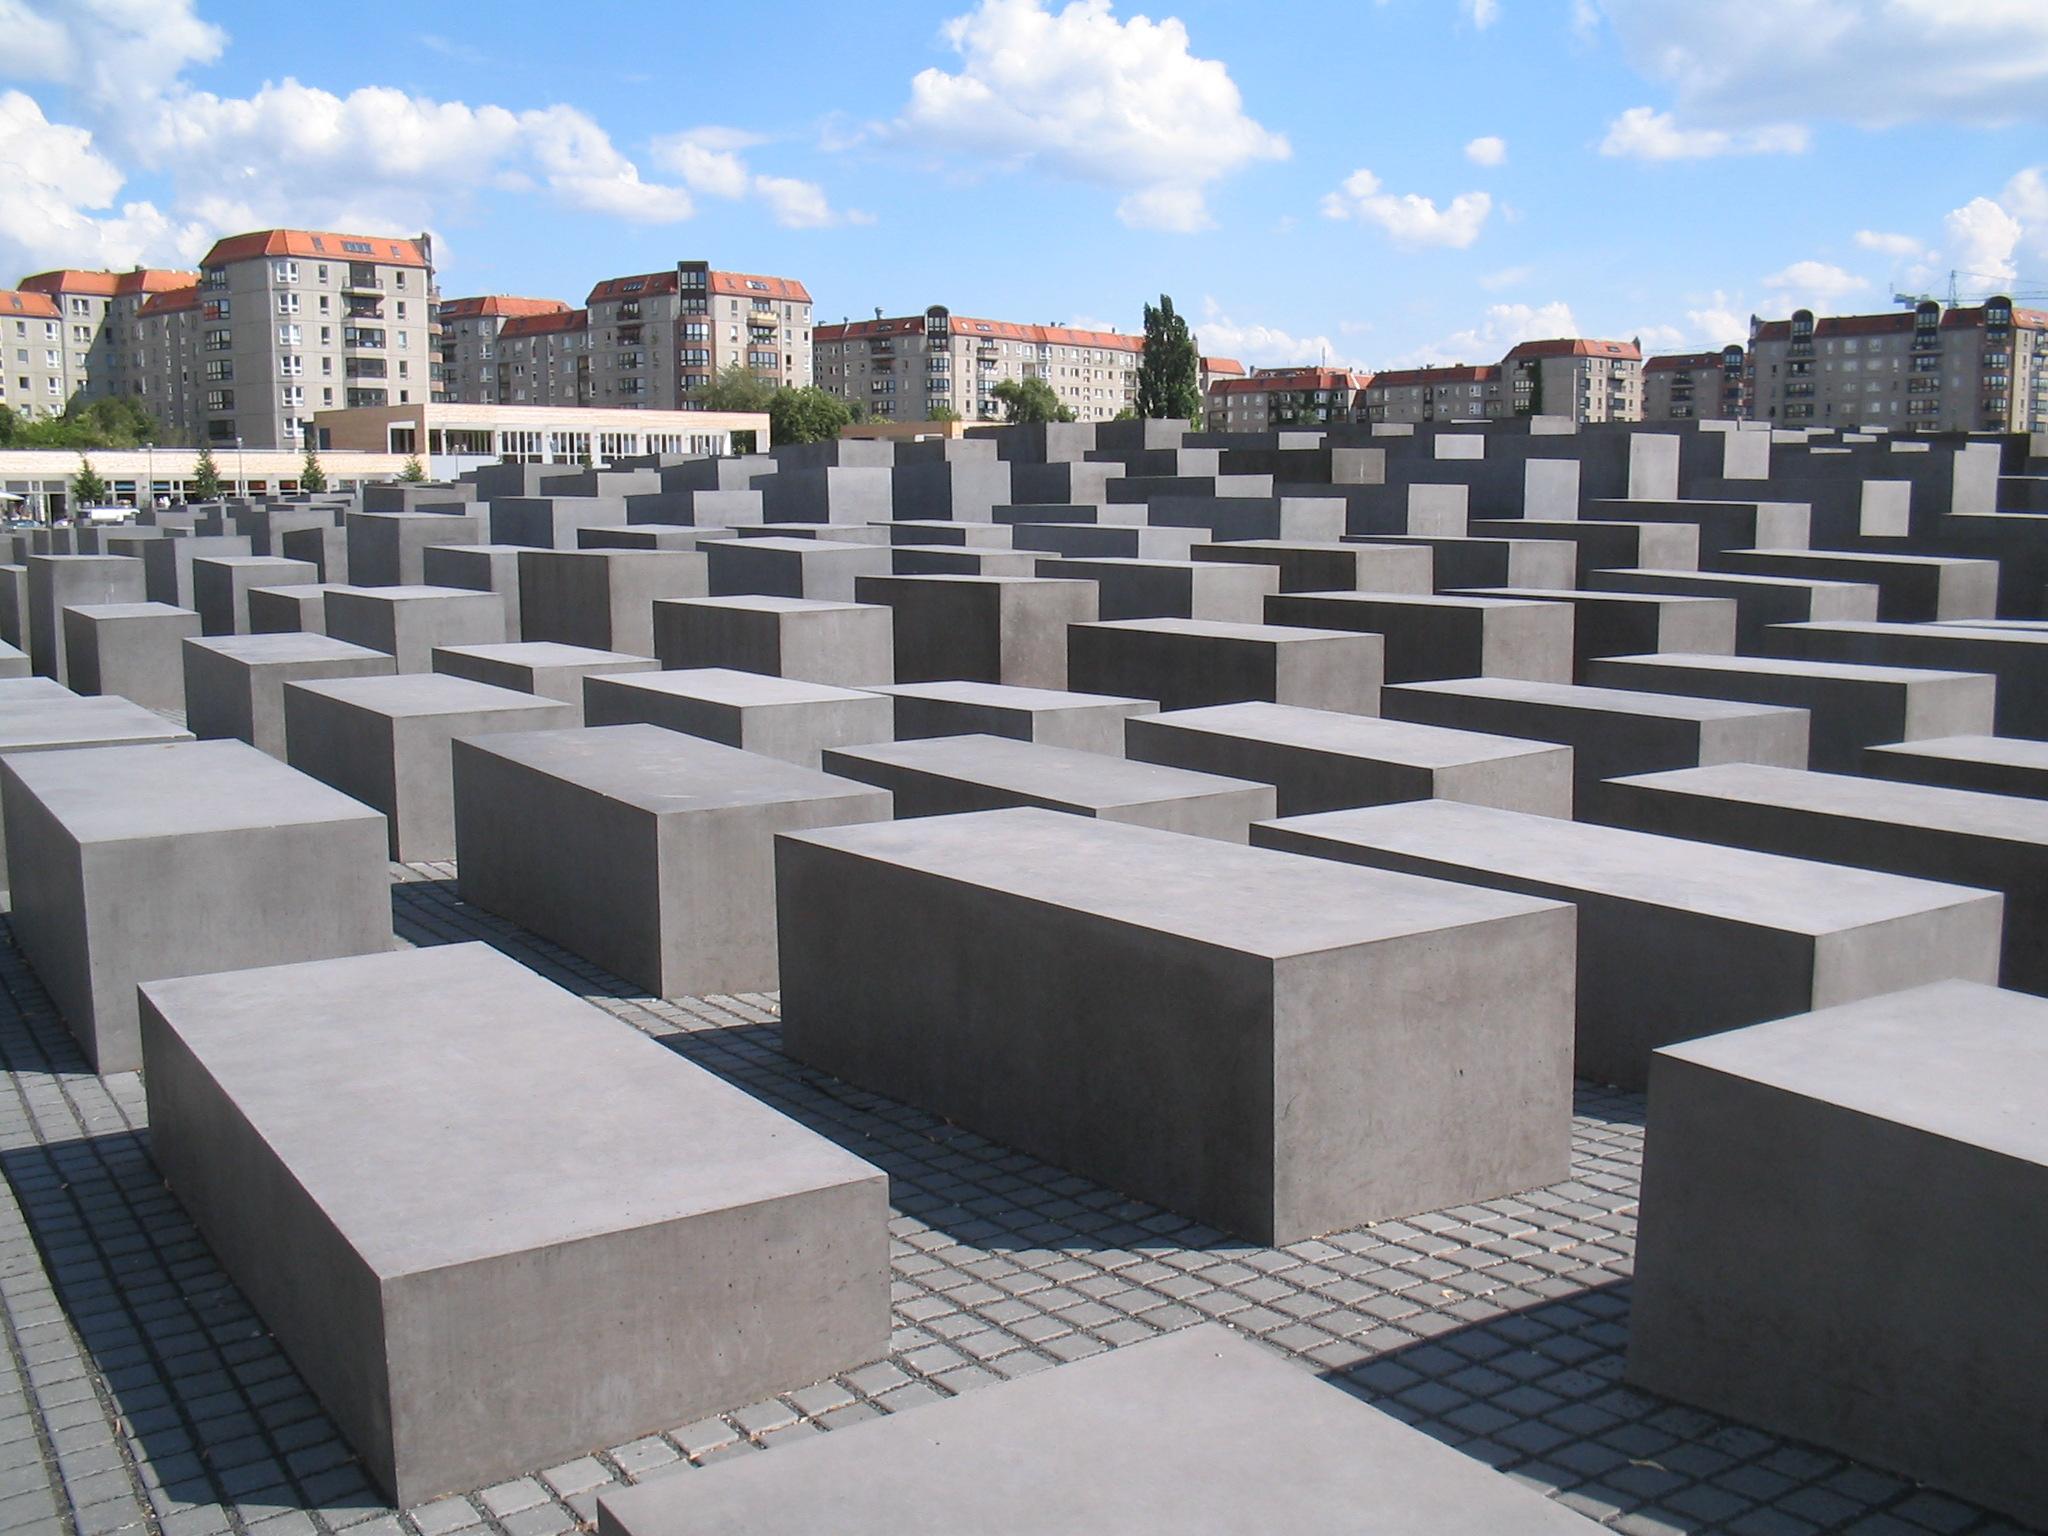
(1899, 247)
(1814, 285)
(120, 56)
(1982, 237)
(708, 162)
(1717, 323)
(1409, 219)
(1506, 277)
(1870, 62)
(2026, 196)
(1079, 94)
(1490, 150)
(1585, 20)
(1662, 338)
(55, 181)
(1263, 346)
(1481, 13)
(1501, 327)
(1643, 133)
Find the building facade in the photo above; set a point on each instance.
(452, 437)
(99, 311)
(166, 360)
(32, 330)
(545, 359)
(471, 329)
(1584, 378)
(1410, 396)
(1695, 386)
(1972, 368)
(906, 368)
(297, 321)
(655, 338)
(1271, 398)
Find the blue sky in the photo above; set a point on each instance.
(1382, 181)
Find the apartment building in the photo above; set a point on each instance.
(1972, 368)
(31, 354)
(1584, 378)
(545, 359)
(1270, 398)
(99, 311)
(469, 342)
(655, 337)
(1460, 392)
(907, 367)
(296, 321)
(1694, 386)
(165, 361)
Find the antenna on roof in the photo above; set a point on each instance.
(878, 311)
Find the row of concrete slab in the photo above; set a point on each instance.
(1360, 992)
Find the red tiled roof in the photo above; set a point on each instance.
(992, 330)
(1456, 373)
(1266, 380)
(1973, 317)
(1575, 346)
(315, 245)
(1675, 360)
(107, 285)
(545, 324)
(1222, 367)
(641, 285)
(170, 301)
(498, 304)
(740, 284)
(39, 306)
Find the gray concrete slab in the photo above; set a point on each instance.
(300, 609)
(1083, 722)
(1888, 1158)
(385, 549)
(602, 598)
(1171, 589)
(984, 629)
(401, 1203)
(1737, 936)
(1026, 973)
(221, 586)
(167, 564)
(773, 716)
(1760, 601)
(1611, 731)
(1990, 842)
(14, 626)
(1997, 765)
(1308, 566)
(234, 684)
(174, 859)
(1429, 637)
(2018, 658)
(1458, 562)
(1099, 541)
(848, 645)
(325, 547)
(942, 776)
(1851, 706)
(57, 582)
(132, 650)
(1604, 545)
(1630, 623)
(1319, 760)
(825, 569)
(478, 568)
(385, 740)
(1911, 589)
(539, 667)
(1198, 1432)
(14, 663)
(960, 560)
(1192, 663)
(407, 623)
(648, 852)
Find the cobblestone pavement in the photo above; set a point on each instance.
(138, 1390)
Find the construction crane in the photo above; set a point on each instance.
(2019, 289)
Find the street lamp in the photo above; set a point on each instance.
(148, 497)
(241, 476)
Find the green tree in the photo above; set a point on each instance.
(856, 411)
(942, 412)
(413, 472)
(1030, 400)
(311, 476)
(737, 388)
(1128, 413)
(206, 482)
(1170, 371)
(87, 488)
(10, 426)
(808, 415)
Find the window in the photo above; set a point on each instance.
(220, 371)
(287, 303)
(288, 335)
(292, 397)
(285, 271)
(291, 365)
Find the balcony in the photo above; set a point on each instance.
(362, 280)
(764, 317)
(364, 309)
(629, 335)
(364, 368)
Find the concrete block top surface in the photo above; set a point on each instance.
(757, 603)
(1779, 666)
(424, 694)
(662, 771)
(1090, 779)
(1247, 900)
(1959, 632)
(1971, 812)
(445, 1105)
(115, 794)
(1197, 1431)
(1747, 580)
(723, 685)
(1414, 599)
(1328, 730)
(1743, 886)
(538, 653)
(1001, 695)
(1956, 1059)
(1613, 701)
(1222, 629)
(403, 594)
(256, 650)
(111, 611)
(31, 722)
(1999, 751)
